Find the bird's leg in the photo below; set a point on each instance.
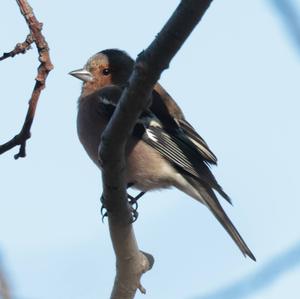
(133, 200)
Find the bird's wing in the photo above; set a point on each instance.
(169, 113)
(179, 151)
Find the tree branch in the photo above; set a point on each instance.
(44, 68)
(290, 16)
(131, 262)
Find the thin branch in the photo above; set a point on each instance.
(20, 48)
(290, 15)
(131, 262)
(43, 70)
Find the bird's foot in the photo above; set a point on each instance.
(132, 203)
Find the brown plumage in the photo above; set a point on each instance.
(164, 150)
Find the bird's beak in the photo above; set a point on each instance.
(82, 74)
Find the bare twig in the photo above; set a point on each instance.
(20, 48)
(43, 70)
(131, 262)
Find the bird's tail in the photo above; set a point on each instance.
(208, 197)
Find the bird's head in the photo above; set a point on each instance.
(111, 66)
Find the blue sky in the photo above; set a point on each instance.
(237, 80)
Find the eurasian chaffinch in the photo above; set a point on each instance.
(164, 149)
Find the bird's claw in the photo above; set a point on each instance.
(134, 214)
(103, 216)
(103, 210)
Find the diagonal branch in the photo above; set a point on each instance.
(131, 262)
(290, 16)
(43, 70)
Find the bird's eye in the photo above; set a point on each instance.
(106, 72)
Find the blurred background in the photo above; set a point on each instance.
(237, 80)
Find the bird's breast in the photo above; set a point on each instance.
(89, 129)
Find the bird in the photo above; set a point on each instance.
(164, 149)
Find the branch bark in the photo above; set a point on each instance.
(44, 68)
(131, 262)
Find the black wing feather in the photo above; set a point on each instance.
(198, 141)
(181, 154)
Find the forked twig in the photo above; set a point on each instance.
(44, 68)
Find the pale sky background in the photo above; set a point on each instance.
(237, 80)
